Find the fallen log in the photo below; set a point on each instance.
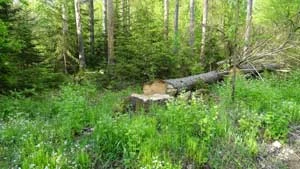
(174, 86)
(160, 91)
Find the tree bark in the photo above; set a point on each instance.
(110, 32)
(174, 86)
(248, 25)
(166, 19)
(176, 20)
(104, 27)
(192, 23)
(92, 27)
(82, 63)
(204, 30)
(65, 33)
(235, 56)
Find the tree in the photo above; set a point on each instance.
(65, 33)
(91, 24)
(192, 23)
(176, 32)
(166, 19)
(248, 25)
(110, 32)
(204, 29)
(82, 63)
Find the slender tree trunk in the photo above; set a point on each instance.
(248, 25)
(204, 26)
(65, 34)
(192, 23)
(82, 63)
(124, 14)
(92, 27)
(166, 19)
(104, 15)
(104, 27)
(176, 20)
(110, 32)
(235, 55)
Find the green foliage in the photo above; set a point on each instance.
(76, 127)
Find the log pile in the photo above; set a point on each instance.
(159, 91)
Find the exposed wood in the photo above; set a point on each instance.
(136, 102)
(158, 87)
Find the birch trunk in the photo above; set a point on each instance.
(248, 25)
(204, 26)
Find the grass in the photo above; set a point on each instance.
(78, 127)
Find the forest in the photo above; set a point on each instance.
(150, 84)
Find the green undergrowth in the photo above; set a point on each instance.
(79, 127)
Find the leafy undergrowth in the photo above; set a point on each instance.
(78, 127)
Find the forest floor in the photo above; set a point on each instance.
(80, 126)
(276, 155)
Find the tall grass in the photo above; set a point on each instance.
(78, 127)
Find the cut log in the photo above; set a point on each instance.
(155, 87)
(174, 86)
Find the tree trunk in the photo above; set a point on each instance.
(91, 24)
(176, 33)
(248, 25)
(82, 63)
(104, 27)
(174, 86)
(192, 23)
(166, 19)
(235, 56)
(110, 32)
(65, 34)
(204, 26)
